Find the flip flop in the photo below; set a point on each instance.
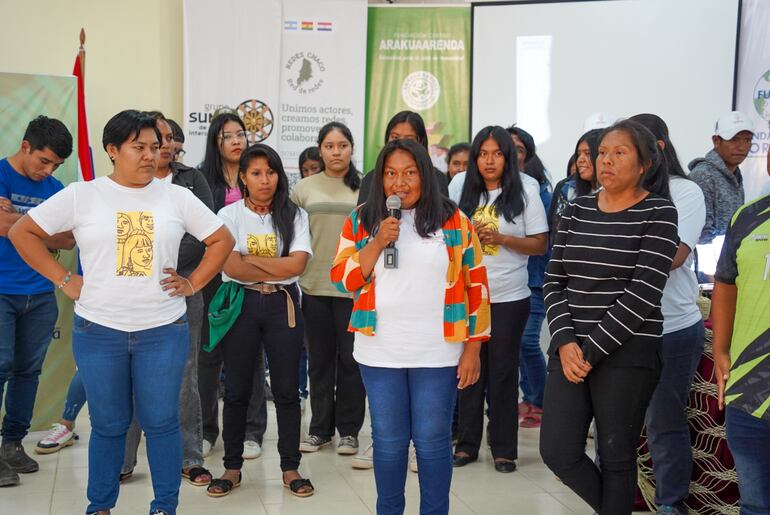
(225, 485)
(296, 484)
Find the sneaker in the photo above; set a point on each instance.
(412, 459)
(302, 402)
(364, 460)
(251, 450)
(347, 445)
(313, 443)
(57, 439)
(206, 448)
(676, 509)
(13, 454)
(159, 512)
(8, 477)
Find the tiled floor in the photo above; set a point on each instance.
(59, 487)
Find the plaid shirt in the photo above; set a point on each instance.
(466, 299)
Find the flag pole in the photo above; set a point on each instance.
(82, 53)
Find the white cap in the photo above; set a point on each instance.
(598, 121)
(731, 124)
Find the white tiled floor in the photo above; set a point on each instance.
(59, 487)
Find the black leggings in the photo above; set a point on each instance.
(617, 397)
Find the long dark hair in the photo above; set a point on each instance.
(659, 129)
(431, 211)
(352, 178)
(414, 120)
(592, 137)
(533, 166)
(284, 211)
(309, 154)
(211, 166)
(511, 202)
(654, 179)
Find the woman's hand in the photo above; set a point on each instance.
(73, 287)
(387, 233)
(574, 366)
(469, 367)
(176, 285)
(488, 235)
(722, 373)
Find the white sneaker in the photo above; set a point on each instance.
(364, 460)
(412, 459)
(206, 448)
(57, 439)
(251, 450)
(347, 445)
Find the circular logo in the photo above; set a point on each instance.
(420, 90)
(305, 72)
(762, 96)
(258, 119)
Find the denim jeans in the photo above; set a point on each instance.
(668, 435)
(749, 440)
(26, 328)
(411, 404)
(127, 371)
(76, 398)
(189, 400)
(532, 360)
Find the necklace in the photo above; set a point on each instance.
(261, 211)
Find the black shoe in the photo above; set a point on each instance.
(13, 454)
(505, 466)
(7, 475)
(461, 461)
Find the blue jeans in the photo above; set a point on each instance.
(532, 361)
(668, 434)
(26, 328)
(411, 404)
(123, 371)
(76, 398)
(749, 440)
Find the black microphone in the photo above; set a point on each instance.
(393, 205)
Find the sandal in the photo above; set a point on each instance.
(295, 485)
(224, 485)
(194, 473)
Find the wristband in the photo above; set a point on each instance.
(188, 282)
(65, 281)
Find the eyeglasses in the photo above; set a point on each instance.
(229, 136)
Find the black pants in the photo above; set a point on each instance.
(337, 396)
(617, 397)
(263, 323)
(209, 374)
(500, 381)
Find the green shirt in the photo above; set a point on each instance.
(328, 202)
(745, 262)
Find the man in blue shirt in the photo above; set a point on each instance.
(28, 308)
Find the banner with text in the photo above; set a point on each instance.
(22, 98)
(418, 59)
(232, 59)
(323, 60)
(753, 91)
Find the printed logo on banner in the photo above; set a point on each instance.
(317, 26)
(258, 119)
(420, 90)
(762, 96)
(305, 72)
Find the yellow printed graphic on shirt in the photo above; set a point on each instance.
(262, 245)
(135, 231)
(487, 215)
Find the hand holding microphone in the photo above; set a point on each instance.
(389, 229)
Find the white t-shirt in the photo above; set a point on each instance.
(506, 269)
(126, 237)
(678, 304)
(256, 235)
(409, 301)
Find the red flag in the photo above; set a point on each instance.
(85, 158)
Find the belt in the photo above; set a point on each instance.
(267, 289)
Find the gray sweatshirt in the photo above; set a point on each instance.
(722, 191)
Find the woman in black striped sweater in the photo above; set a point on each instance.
(610, 262)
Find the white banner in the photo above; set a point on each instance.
(323, 74)
(232, 58)
(753, 90)
(287, 66)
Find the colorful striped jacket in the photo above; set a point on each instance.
(466, 301)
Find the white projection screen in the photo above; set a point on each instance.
(548, 66)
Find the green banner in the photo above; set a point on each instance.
(22, 98)
(418, 59)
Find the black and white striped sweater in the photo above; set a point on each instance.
(605, 280)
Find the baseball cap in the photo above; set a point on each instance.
(731, 124)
